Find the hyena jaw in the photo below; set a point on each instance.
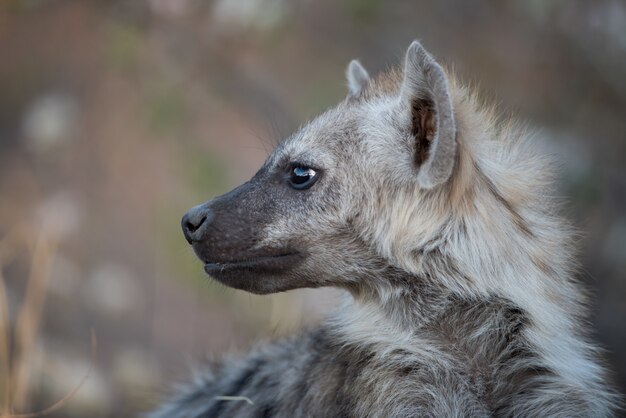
(437, 219)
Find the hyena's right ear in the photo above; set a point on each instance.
(425, 98)
(357, 78)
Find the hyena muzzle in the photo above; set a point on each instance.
(436, 219)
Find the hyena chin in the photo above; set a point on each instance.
(437, 220)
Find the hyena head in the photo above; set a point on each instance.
(342, 199)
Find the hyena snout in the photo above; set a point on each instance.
(227, 234)
(224, 228)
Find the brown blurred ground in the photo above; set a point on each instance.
(117, 116)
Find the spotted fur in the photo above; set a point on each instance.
(439, 222)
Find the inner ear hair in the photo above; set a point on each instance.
(423, 126)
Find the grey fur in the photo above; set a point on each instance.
(460, 291)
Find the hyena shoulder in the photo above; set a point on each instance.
(323, 374)
(470, 361)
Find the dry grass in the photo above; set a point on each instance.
(17, 343)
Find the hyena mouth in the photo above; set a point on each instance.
(249, 273)
(271, 262)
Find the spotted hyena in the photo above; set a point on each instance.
(437, 219)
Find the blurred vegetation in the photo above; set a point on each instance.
(117, 116)
(165, 110)
(122, 46)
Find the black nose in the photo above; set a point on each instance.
(195, 221)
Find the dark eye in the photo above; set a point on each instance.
(301, 177)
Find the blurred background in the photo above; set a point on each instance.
(116, 116)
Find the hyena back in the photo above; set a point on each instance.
(437, 219)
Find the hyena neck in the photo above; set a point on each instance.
(403, 299)
(420, 314)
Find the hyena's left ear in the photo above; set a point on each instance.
(425, 95)
(357, 78)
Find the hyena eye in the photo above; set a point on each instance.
(302, 177)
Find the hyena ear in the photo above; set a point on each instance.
(424, 93)
(357, 78)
